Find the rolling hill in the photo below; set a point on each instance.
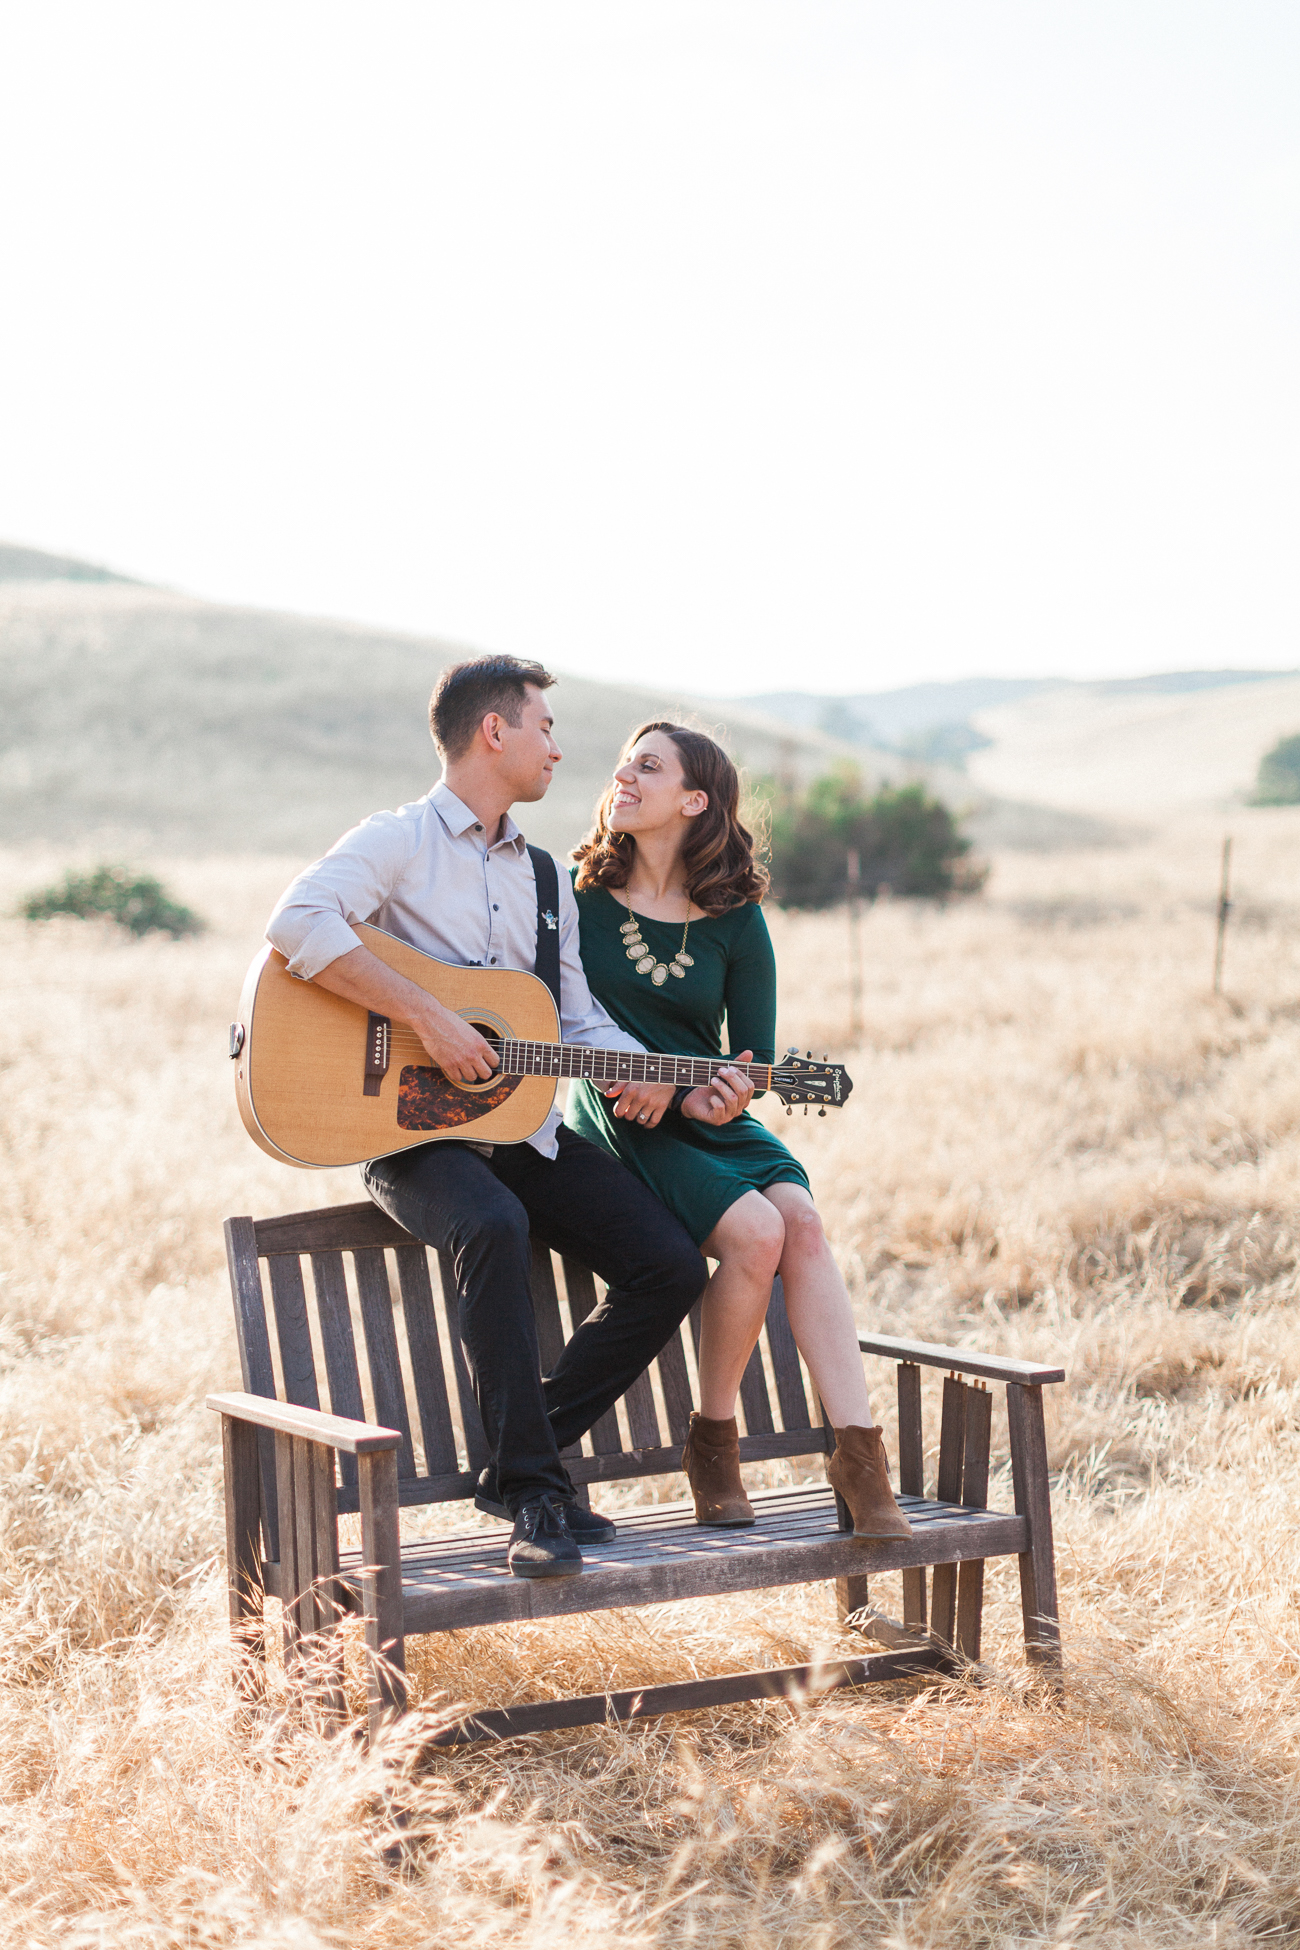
(1124, 746)
(1134, 751)
(136, 720)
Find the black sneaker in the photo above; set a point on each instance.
(541, 1543)
(585, 1526)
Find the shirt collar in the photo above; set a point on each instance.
(458, 819)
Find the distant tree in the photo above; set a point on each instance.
(136, 902)
(1278, 782)
(904, 840)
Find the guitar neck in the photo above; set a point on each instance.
(619, 1065)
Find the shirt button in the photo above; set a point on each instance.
(478, 828)
(493, 958)
(496, 907)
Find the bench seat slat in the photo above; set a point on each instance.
(644, 1532)
(663, 1555)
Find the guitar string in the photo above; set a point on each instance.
(604, 1066)
(608, 1066)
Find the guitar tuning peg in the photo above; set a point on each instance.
(822, 1111)
(805, 1110)
(788, 1111)
(792, 1051)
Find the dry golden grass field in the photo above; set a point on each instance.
(1060, 1144)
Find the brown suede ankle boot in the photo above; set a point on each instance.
(859, 1472)
(711, 1460)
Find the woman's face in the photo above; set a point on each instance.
(650, 791)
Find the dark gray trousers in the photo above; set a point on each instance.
(584, 1203)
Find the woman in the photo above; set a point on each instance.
(673, 940)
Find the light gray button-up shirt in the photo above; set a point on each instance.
(428, 874)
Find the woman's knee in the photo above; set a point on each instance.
(805, 1236)
(752, 1235)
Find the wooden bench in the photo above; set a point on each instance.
(409, 1434)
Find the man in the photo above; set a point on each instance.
(451, 875)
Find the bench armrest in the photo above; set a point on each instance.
(309, 1424)
(994, 1367)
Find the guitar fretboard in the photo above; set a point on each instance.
(519, 1059)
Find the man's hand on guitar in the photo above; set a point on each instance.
(726, 1097)
(454, 1044)
(456, 1047)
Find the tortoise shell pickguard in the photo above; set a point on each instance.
(427, 1101)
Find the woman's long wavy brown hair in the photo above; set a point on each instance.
(721, 871)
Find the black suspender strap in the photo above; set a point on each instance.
(547, 964)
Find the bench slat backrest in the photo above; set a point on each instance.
(323, 1323)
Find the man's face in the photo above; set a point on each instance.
(529, 753)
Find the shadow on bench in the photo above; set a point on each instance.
(291, 1469)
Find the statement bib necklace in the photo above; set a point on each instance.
(636, 950)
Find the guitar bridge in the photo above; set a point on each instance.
(379, 1036)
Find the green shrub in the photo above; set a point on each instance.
(905, 841)
(1278, 783)
(137, 902)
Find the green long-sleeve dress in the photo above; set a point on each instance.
(698, 1170)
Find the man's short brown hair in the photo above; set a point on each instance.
(465, 693)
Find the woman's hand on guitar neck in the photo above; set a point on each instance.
(723, 1099)
(642, 1103)
(454, 1045)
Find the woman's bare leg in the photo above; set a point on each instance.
(817, 1302)
(747, 1243)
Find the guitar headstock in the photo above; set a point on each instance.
(802, 1080)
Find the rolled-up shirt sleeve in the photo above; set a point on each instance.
(312, 924)
(582, 1020)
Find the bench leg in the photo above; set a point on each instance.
(381, 1586)
(244, 1555)
(1033, 1502)
(851, 1594)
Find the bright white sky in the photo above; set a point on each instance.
(736, 346)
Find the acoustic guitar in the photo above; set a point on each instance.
(322, 1082)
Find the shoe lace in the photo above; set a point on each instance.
(545, 1515)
